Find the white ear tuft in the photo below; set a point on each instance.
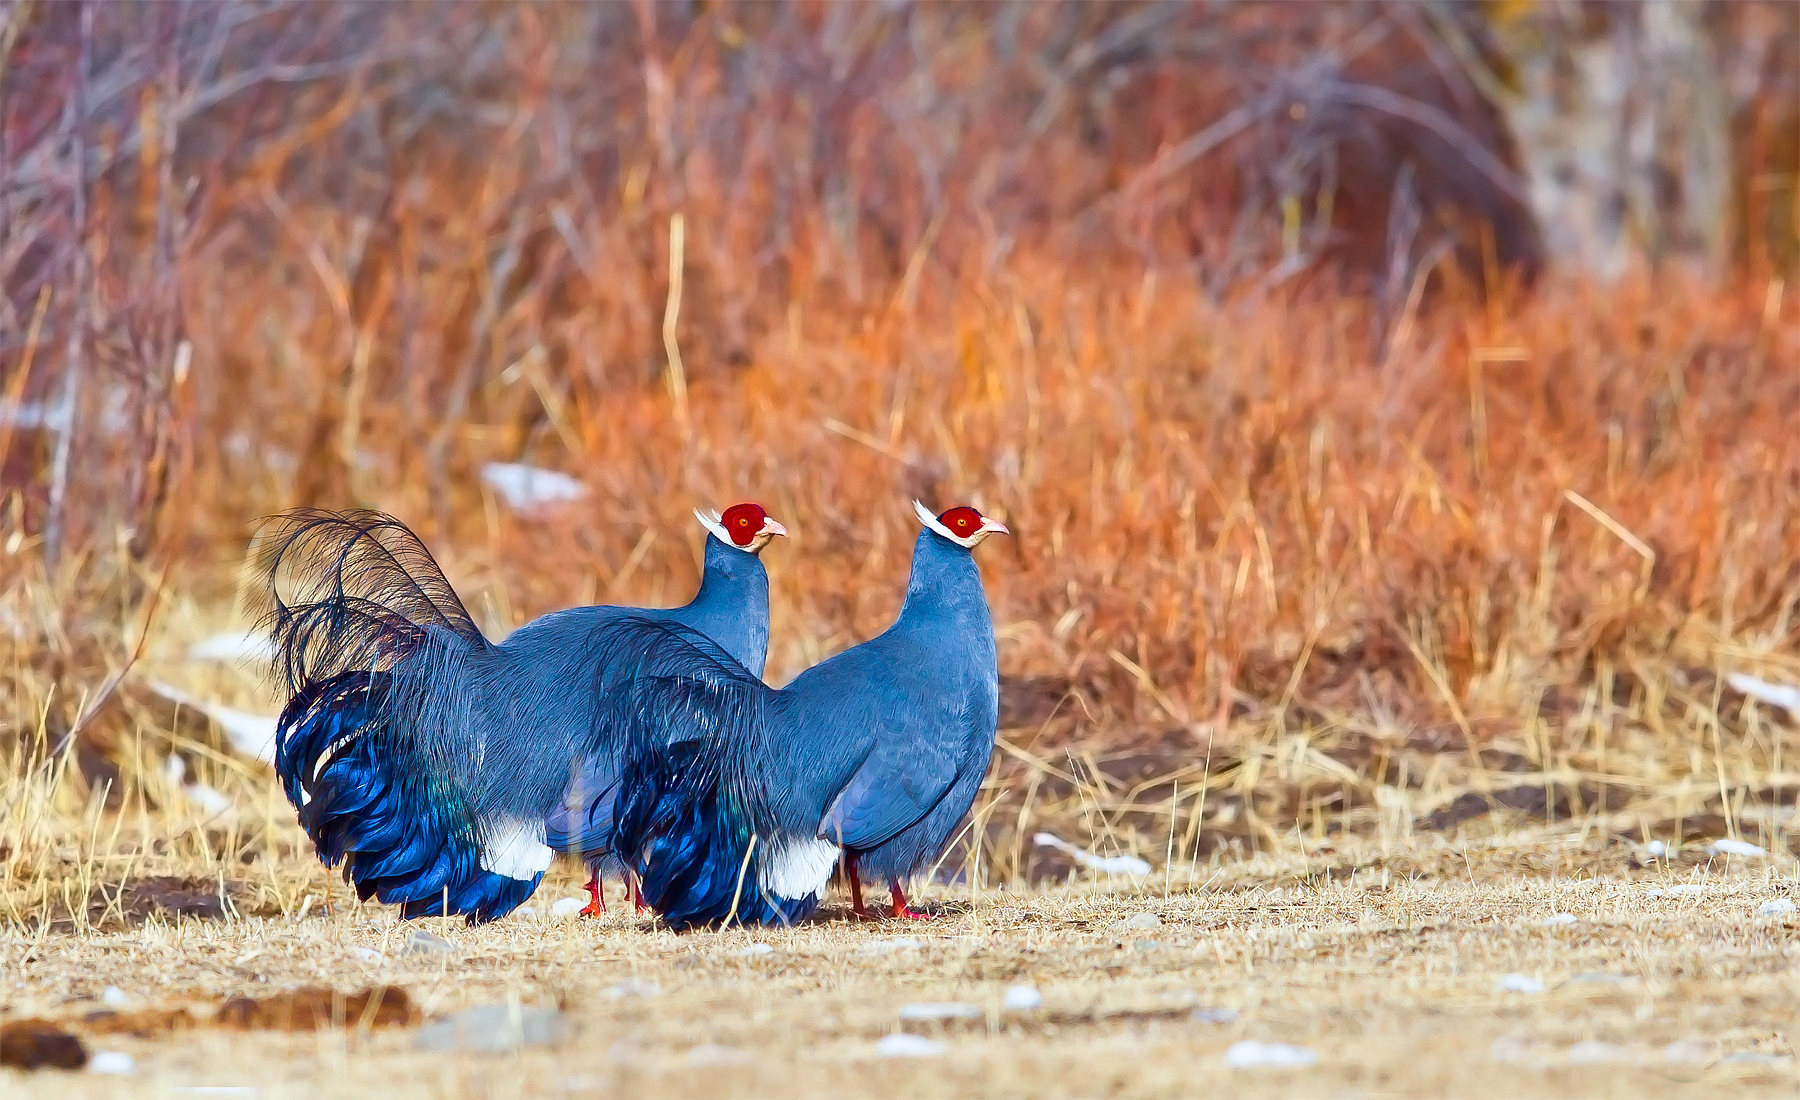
(931, 523)
(714, 525)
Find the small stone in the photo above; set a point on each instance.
(713, 1054)
(1518, 983)
(422, 942)
(567, 907)
(1022, 998)
(1250, 1054)
(1594, 1052)
(1138, 922)
(939, 1010)
(113, 1062)
(634, 987)
(1779, 907)
(493, 1029)
(908, 1046)
(1204, 1015)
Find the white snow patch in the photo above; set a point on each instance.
(114, 997)
(713, 1054)
(634, 987)
(1681, 890)
(210, 800)
(1214, 1015)
(524, 911)
(888, 947)
(369, 955)
(1022, 998)
(250, 734)
(799, 868)
(1726, 846)
(1138, 922)
(515, 848)
(1778, 907)
(567, 907)
(530, 488)
(233, 645)
(1687, 1050)
(1558, 920)
(939, 1010)
(754, 949)
(114, 1063)
(1656, 849)
(1595, 1052)
(1518, 983)
(1106, 865)
(1250, 1054)
(1763, 691)
(908, 1046)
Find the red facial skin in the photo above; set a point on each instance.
(743, 522)
(961, 522)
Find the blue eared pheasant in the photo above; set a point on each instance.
(737, 800)
(403, 714)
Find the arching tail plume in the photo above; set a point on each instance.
(380, 746)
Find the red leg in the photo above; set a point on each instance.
(637, 896)
(856, 902)
(596, 906)
(900, 908)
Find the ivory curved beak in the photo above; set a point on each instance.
(994, 526)
(771, 527)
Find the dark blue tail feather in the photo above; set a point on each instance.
(676, 828)
(363, 799)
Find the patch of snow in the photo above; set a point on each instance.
(1681, 890)
(1754, 1058)
(1214, 1015)
(1106, 865)
(1138, 922)
(908, 1046)
(114, 997)
(1687, 1050)
(754, 949)
(1656, 849)
(233, 645)
(633, 987)
(1778, 907)
(211, 801)
(1022, 998)
(567, 907)
(114, 1063)
(1594, 1052)
(712, 1054)
(250, 734)
(530, 488)
(889, 946)
(524, 911)
(1763, 691)
(1518, 983)
(369, 955)
(1726, 846)
(939, 1010)
(1250, 1054)
(1558, 920)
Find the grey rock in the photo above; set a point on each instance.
(494, 1029)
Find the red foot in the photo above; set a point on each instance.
(596, 906)
(637, 897)
(856, 903)
(900, 908)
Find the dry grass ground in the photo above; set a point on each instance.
(1387, 964)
